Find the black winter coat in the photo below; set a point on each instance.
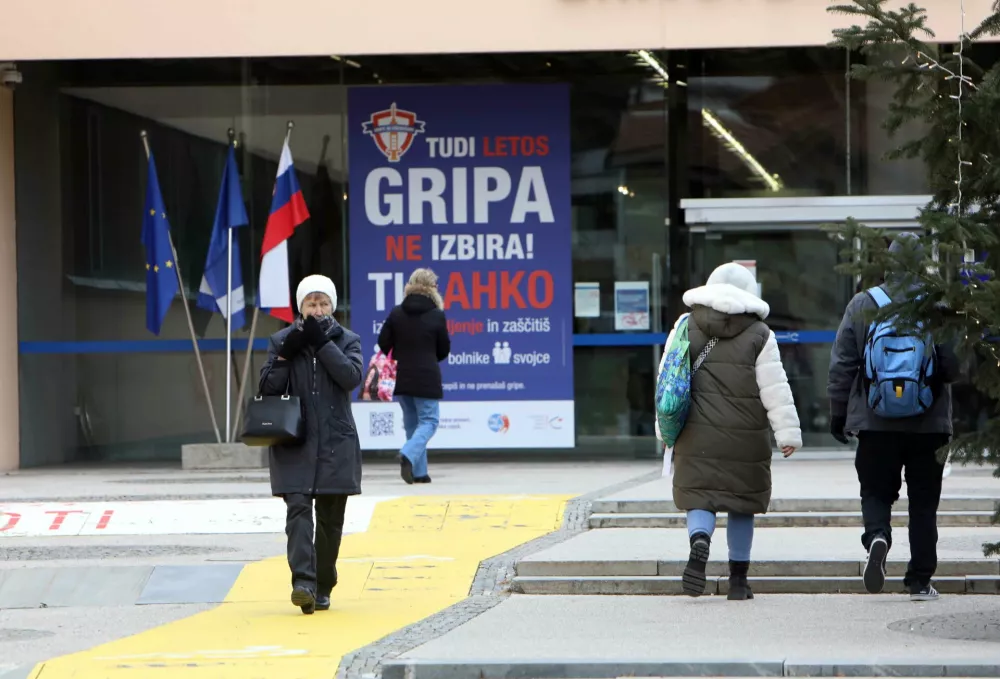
(328, 462)
(417, 334)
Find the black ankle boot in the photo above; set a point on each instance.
(693, 580)
(739, 590)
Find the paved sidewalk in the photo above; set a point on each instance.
(165, 482)
(523, 636)
(593, 635)
(416, 558)
(147, 504)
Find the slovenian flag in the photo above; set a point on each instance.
(288, 210)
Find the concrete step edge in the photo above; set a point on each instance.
(752, 578)
(771, 568)
(662, 505)
(585, 668)
(984, 584)
(786, 520)
(851, 514)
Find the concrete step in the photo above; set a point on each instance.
(787, 519)
(805, 568)
(671, 585)
(777, 552)
(661, 505)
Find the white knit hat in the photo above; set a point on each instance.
(736, 275)
(316, 283)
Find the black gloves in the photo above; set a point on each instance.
(314, 332)
(311, 333)
(293, 344)
(837, 425)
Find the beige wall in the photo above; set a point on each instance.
(71, 29)
(10, 449)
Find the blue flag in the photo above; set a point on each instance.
(229, 214)
(161, 275)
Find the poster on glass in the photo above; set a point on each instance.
(632, 305)
(473, 182)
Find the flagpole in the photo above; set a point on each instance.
(187, 313)
(246, 370)
(229, 319)
(253, 324)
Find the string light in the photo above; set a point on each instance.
(929, 63)
(961, 122)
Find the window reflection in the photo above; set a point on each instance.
(796, 271)
(768, 122)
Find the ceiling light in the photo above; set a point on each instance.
(654, 64)
(714, 124)
(352, 64)
(736, 147)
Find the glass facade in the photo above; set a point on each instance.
(648, 130)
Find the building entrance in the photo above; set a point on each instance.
(795, 262)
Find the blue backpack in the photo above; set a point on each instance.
(897, 367)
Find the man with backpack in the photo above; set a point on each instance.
(893, 390)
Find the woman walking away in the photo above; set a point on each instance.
(722, 458)
(319, 361)
(416, 333)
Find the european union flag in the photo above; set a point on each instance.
(161, 276)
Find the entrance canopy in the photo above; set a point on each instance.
(790, 214)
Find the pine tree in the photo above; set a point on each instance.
(957, 101)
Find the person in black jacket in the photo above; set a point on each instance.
(319, 361)
(890, 448)
(417, 333)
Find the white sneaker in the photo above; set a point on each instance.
(928, 593)
(874, 575)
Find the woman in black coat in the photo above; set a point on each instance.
(319, 361)
(416, 332)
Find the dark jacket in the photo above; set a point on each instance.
(417, 334)
(722, 459)
(844, 385)
(328, 462)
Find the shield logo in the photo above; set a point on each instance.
(393, 131)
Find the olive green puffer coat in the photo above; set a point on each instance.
(722, 459)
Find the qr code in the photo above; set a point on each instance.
(382, 424)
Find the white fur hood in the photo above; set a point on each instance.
(727, 299)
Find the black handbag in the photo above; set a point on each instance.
(273, 420)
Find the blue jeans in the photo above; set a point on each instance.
(739, 531)
(420, 420)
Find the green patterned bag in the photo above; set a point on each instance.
(673, 384)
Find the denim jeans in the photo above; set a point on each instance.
(739, 531)
(420, 420)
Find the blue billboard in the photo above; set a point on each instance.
(472, 181)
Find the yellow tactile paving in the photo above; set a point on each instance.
(418, 557)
